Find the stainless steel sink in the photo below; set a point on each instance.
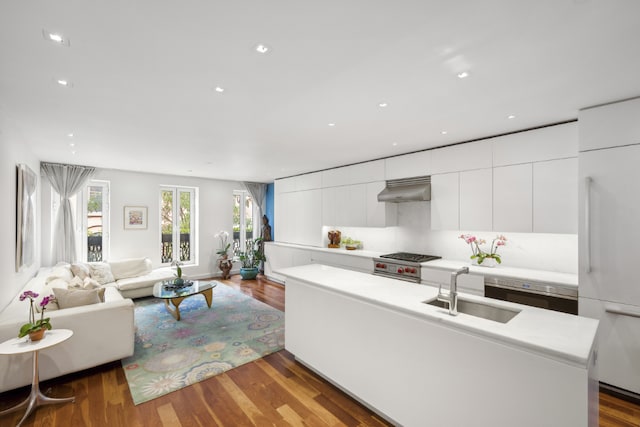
(489, 312)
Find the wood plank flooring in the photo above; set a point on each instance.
(273, 391)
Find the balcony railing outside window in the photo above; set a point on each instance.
(167, 248)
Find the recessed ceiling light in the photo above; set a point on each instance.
(382, 104)
(332, 124)
(73, 152)
(63, 82)
(463, 74)
(56, 38)
(70, 135)
(511, 116)
(444, 132)
(262, 48)
(72, 145)
(395, 144)
(219, 89)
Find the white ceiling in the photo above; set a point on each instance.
(144, 73)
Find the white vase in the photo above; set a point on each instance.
(487, 262)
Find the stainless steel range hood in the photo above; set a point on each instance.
(407, 190)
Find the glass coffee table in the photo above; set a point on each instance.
(173, 295)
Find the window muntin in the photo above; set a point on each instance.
(244, 219)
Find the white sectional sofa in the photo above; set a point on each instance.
(102, 332)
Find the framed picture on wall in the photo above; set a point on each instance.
(26, 184)
(135, 217)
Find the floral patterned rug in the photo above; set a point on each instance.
(170, 354)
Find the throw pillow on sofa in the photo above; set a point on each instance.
(61, 270)
(68, 298)
(87, 283)
(47, 290)
(80, 269)
(101, 272)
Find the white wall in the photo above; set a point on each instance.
(215, 212)
(551, 252)
(12, 152)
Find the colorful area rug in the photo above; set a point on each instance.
(170, 354)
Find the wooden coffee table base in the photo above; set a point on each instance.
(175, 302)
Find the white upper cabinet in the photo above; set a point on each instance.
(408, 165)
(513, 198)
(308, 181)
(553, 142)
(476, 195)
(329, 206)
(473, 155)
(354, 174)
(445, 207)
(284, 185)
(308, 217)
(612, 125)
(555, 196)
(380, 214)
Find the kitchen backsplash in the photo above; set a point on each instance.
(551, 252)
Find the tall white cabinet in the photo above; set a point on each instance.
(609, 233)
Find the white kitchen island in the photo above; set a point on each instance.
(416, 365)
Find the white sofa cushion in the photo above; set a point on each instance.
(80, 269)
(148, 280)
(132, 267)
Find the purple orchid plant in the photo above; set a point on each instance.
(35, 325)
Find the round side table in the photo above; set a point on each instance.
(24, 345)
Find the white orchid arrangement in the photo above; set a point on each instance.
(223, 236)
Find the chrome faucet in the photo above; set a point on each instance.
(451, 297)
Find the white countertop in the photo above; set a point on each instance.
(560, 336)
(551, 277)
(340, 251)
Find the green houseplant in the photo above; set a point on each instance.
(179, 280)
(250, 258)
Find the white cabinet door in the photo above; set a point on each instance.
(284, 217)
(408, 165)
(308, 217)
(379, 214)
(329, 206)
(354, 174)
(513, 198)
(555, 196)
(476, 200)
(445, 193)
(308, 181)
(472, 155)
(549, 143)
(614, 231)
(619, 342)
(282, 257)
(357, 206)
(612, 125)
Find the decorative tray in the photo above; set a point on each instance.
(174, 287)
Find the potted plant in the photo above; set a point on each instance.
(223, 249)
(250, 258)
(179, 280)
(224, 263)
(485, 258)
(35, 328)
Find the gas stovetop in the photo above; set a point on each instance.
(409, 257)
(401, 265)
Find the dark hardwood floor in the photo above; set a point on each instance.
(275, 390)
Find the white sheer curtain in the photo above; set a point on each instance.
(258, 192)
(67, 180)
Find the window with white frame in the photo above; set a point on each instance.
(244, 219)
(92, 220)
(177, 224)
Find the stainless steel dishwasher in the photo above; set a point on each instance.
(563, 298)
